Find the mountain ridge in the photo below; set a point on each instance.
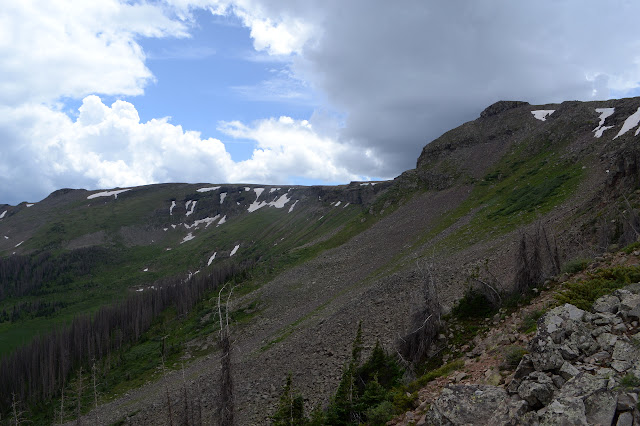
(474, 192)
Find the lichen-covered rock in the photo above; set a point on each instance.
(567, 411)
(474, 404)
(609, 304)
(600, 407)
(537, 389)
(624, 351)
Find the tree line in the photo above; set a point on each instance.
(35, 274)
(37, 371)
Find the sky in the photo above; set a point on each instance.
(118, 93)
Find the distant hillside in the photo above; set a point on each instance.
(314, 261)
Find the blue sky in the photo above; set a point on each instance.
(117, 93)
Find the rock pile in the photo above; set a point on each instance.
(583, 368)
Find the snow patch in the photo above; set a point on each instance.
(3, 214)
(222, 197)
(108, 194)
(173, 226)
(189, 237)
(207, 220)
(630, 123)
(542, 114)
(364, 184)
(346, 205)
(338, 203)
(246, 188)
(165, 229)
(6, 238)
(173, 204)
(223, 220)
(193, 206)
(213, 188)
(18, 245)
(604, 113)
(168, 249)
(280, 202)
(257, 205)
(235, 249)
(213, 256)
(293, 205)
(140, 289)
(273, 190)
(30, 204)
(145, 270)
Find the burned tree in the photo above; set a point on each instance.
(226, 402)
(425, 321)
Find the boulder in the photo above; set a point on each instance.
(624, 351)
(537, 389)
(600, 407)
(474, 404)
(607, 304)
(568, 411)
(625, 419)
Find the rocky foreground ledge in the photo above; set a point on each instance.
(583, 368)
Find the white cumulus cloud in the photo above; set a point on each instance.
(108, 146)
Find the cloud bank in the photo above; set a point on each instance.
(395, 78)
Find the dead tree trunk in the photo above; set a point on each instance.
(226, 407)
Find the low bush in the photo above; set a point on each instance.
(604, 281)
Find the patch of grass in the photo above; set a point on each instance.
(513, 355)
(530, 322)
(445, 370)
(630, 381)
(604, 281)
(631, 247)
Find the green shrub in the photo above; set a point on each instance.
(402, 400)
(576, 265)
(583, 293)
(472, 305)
(380, 414)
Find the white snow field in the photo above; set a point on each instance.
(542, 114)
(631, 122)
(107, 193)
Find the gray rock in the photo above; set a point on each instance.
(629, 301)
(582, 385)
(627, 401)
(568, 371)
(621, 366)
(537, 389)
(608, 304)
(558, 381)
(474, 404)
(569, 353)
(607, 341)
(625, 419)
(569, 411)
(600, 407)
(634, 313)
(633, 288)
(624, 351)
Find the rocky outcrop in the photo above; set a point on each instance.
(583, 368)
(501, 106)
